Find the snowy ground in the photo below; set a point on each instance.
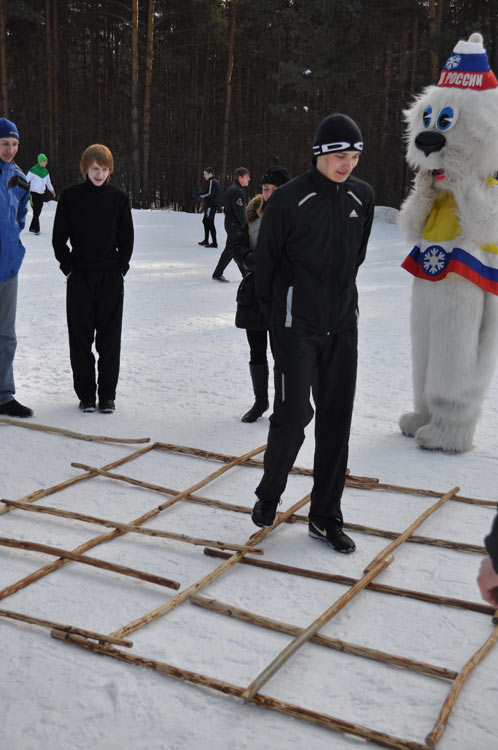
(184, 380)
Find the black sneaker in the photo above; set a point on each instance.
(263, 513)
(221, 278)
(204, 242)
(332, 533)
(212, 244)
(13, 408)
(87, 406)
(106, 406)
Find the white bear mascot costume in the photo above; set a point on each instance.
(451, 216)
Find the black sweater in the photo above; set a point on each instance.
(491, 543)
(97, 222)
(312, 240)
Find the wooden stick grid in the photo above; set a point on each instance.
(104, 644)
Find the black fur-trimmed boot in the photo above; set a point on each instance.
(259, 377)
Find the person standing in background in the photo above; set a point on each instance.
(211, 202)
(249, 314)
(14, 196)
(235, 218)
(39, 182)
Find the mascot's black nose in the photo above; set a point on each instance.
(428, 142)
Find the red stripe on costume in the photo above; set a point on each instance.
(454, 266)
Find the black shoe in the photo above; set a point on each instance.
(212, 244)
(332, 533)
(256, 411)
(13, 408)
(106, 406)
(263, 513)
(87, 406)
(204, 242)
(221, 278)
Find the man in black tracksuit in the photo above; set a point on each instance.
(211, 202)
(235, 218)
(95, 217)
(312, 240)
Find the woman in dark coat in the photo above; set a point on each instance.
(249, 314)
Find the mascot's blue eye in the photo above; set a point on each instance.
(446, 118)
(427, 116)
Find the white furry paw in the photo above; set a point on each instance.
(410, 422)
(451, 437)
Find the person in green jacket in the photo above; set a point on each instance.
(39, 183)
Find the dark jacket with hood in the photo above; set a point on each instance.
(312, 240)
(97, 222)
(249, 314)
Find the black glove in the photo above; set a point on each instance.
(196, 194)
(17, 180)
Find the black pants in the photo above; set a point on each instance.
(258, 344)
(328, 365)
(227, 254)
(208, 221)
(37, 202)
(94, 305)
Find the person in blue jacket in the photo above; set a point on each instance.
(14, 196)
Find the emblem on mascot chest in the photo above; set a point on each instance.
(434, 259)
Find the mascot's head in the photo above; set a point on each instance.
(453, 127)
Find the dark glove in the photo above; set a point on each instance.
(17, 180)
(196, 194)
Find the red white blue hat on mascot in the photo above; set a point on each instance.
(468, 68)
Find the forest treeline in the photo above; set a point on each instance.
(174, 85)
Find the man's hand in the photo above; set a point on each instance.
(488, 582)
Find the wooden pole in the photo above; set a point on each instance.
(91, 543)
(442, 720)
(447, 543)
(70, 433)
(65, 628)
(93, 561)
(364, 483)
(411, 528)
(347, 581)
(212, 576)
(305, 635)
(265, 701)
(43, 509)
(323, 640)
(38, 494)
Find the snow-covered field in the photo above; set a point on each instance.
(184, 380)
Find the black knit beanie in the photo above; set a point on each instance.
(337, 133)
(275, 176)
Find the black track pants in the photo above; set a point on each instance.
(208, 221)
(227, 254)
(327, 364)
(37, 205)
(94, 304)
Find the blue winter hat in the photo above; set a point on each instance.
(8, 129)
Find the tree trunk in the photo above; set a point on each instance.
(135, 159)
(4, 97)
(228, 99)
(147, 98)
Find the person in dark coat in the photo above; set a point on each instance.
(211, 200)
(95, 217)
(488, 573)
(235, 218)
(249, 314)
(312, 240)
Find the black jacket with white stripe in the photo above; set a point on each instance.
(312, 240)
